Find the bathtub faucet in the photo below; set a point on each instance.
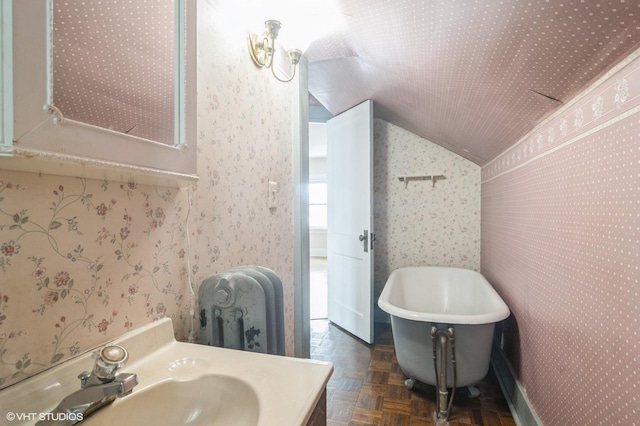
(442, 338)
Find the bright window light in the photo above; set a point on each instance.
(318, 205)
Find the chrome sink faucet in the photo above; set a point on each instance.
(98, 388)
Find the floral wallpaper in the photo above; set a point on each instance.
(245, 129)
(560, 242)
(422, 224)
(83, 261)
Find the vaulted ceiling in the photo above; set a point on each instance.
(472, 76)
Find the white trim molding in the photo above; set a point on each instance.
(515, 394)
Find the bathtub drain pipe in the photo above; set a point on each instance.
(443, 337)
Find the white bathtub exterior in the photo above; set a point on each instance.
(419, 297)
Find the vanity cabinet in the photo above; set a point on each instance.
(319, 415)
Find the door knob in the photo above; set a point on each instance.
(365, 240)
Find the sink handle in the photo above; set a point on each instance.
(109, 360)
(129, 381)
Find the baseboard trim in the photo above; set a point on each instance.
(380, 316)
(521, 409)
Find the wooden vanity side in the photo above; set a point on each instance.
(319, 415)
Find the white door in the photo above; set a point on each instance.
(350, 220)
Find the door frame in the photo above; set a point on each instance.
(301, 267)
(302, 115)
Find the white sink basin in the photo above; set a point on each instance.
(208, 400)
(184, 384)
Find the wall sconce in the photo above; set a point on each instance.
(262, 49)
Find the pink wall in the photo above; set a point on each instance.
(82, 261)
(560, 242)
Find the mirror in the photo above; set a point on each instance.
(113, 65)
(94, 126)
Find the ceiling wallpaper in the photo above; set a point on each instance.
(472, 76)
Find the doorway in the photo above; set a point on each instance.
(318, 288)
(351, 305)
(318, 308)
(341, 219)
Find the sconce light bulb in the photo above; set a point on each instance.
(272, 28)
(294, 56)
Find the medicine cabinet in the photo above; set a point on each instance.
(37, 136)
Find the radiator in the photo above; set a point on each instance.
(243, 309)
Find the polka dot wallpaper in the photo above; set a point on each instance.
(561, 243)
(464, 74)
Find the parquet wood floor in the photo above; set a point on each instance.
(367, 386)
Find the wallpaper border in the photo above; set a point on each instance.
(569, 123)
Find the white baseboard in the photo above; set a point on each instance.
(521, 409)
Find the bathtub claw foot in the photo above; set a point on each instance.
(410, 383)
(474, 392)
(438, 421)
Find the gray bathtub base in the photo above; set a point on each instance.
(474, 391)
(414, 346)
(414, 351)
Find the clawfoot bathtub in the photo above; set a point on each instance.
(419, 298)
